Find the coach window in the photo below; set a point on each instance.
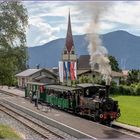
(60, 95)
(87, 93)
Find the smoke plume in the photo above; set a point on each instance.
(98, 53)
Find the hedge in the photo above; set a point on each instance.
(125, 90)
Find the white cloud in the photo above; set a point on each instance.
(48, 19)
(105, 26)
(40, 31)
(127, 13)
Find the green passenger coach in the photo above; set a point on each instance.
(63, 97)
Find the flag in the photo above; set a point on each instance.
(61, 71)
(73, 71)
(65, 70)
(68, 68)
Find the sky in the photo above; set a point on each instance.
(48, 19)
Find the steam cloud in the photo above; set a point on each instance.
(98, 53)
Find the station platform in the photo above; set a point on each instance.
(68, 121)
(13, 90)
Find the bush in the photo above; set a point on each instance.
(133, 89)
(137, 91)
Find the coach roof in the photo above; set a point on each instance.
(61, 87)
(84, 85)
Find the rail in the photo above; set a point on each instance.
(31, 122)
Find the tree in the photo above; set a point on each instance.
(133, 77)
(13, 23)
(114, 64)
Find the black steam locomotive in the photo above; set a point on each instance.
(89, 100)
(97, 104)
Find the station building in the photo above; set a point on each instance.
(36, 75)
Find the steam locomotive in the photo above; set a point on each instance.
(87, 100)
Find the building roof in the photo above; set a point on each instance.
(83, 62)
(42, 77)
(116, 74)
(27, 72)
(113, 73)
(30, 72)
(84, 67)
(84, 71)
(125, 72)
(79, 72)
(54, 70)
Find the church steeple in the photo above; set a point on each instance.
(68, 51)
(69, 39)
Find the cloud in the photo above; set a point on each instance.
(48, 19)
(39, 31)
(107, 26)
(126, 13)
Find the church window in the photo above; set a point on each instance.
(65, 52)
(72, 52)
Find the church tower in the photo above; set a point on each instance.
(68, 53)
(68, 63)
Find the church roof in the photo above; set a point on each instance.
(69, 39)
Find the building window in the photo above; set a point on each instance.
(65, 52)
(72, 52)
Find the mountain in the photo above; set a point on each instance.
(121, 44)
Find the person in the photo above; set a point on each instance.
(35, 99)
(30, 95)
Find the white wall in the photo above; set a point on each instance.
(116, 80)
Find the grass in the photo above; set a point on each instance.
(130, 109)
(8, 133)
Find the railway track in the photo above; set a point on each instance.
(32, 123)
(118, 128)
(8, 93)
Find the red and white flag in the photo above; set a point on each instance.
(73, 69)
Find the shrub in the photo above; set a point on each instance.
(122, 90)
(137, 91)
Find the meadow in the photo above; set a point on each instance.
(8, 133)
(130, 109)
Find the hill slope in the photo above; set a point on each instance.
(123, 45)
